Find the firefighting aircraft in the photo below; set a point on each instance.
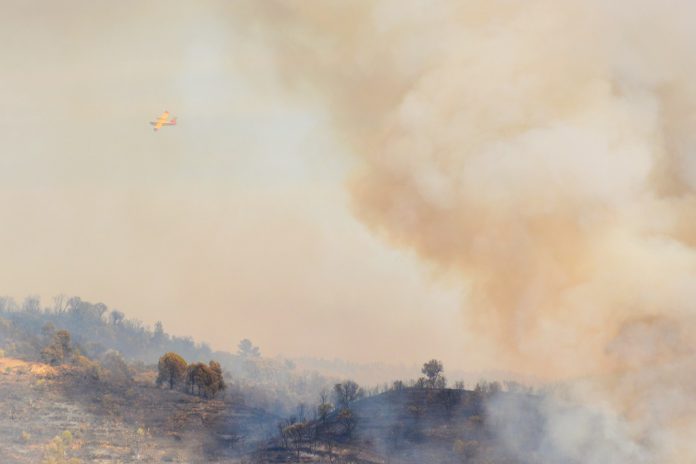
(163, 121)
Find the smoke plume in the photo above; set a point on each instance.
(543, 153)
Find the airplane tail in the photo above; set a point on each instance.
(173, 121)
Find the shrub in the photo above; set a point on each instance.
(115, 368)
(57, 451)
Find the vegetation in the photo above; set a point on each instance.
(115, 368)
(297, 436)
(347, 392)
(59, 350)
(29, 328)
(171, 370)
(94, 327)
(58, 450)
(246, 349)
(206, 379)
(433, 374)
(417, 420)
(411, 421)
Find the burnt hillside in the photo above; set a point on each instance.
(408, 425)
(56, 412)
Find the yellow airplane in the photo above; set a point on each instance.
(163, 121)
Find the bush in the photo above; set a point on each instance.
(86, 367)
(57, 451)
(115, 368)
(67, 437)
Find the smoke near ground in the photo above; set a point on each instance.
(540, 152)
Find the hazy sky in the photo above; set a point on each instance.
(235, 223)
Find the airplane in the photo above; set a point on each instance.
(162, 121)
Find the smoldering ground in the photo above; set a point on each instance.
(540, 152)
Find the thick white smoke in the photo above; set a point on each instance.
(544, 151)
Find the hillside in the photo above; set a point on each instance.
(76, 399)
(99, 423)
(405, 426)
(272, 384)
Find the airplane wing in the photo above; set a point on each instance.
(164, 117)
(160, 120)
(163, 121)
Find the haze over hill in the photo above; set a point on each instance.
(79, 382)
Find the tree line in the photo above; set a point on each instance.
(268, 383)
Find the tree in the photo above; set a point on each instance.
(323, 411)
(324, 407)
(208, 379)
(297, 435)
(347, 420)
(32, 304)
(100, 309)
(246, 349)
(171, 369)
(217, 381)
(77, 308)
(484, 388)
(63, 340)
(195, 377)
(158, 335)
(433, 373)
(347, 392)
(59, 349)
(59, 304)
(117, 317)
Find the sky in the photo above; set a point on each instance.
(236, 223)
